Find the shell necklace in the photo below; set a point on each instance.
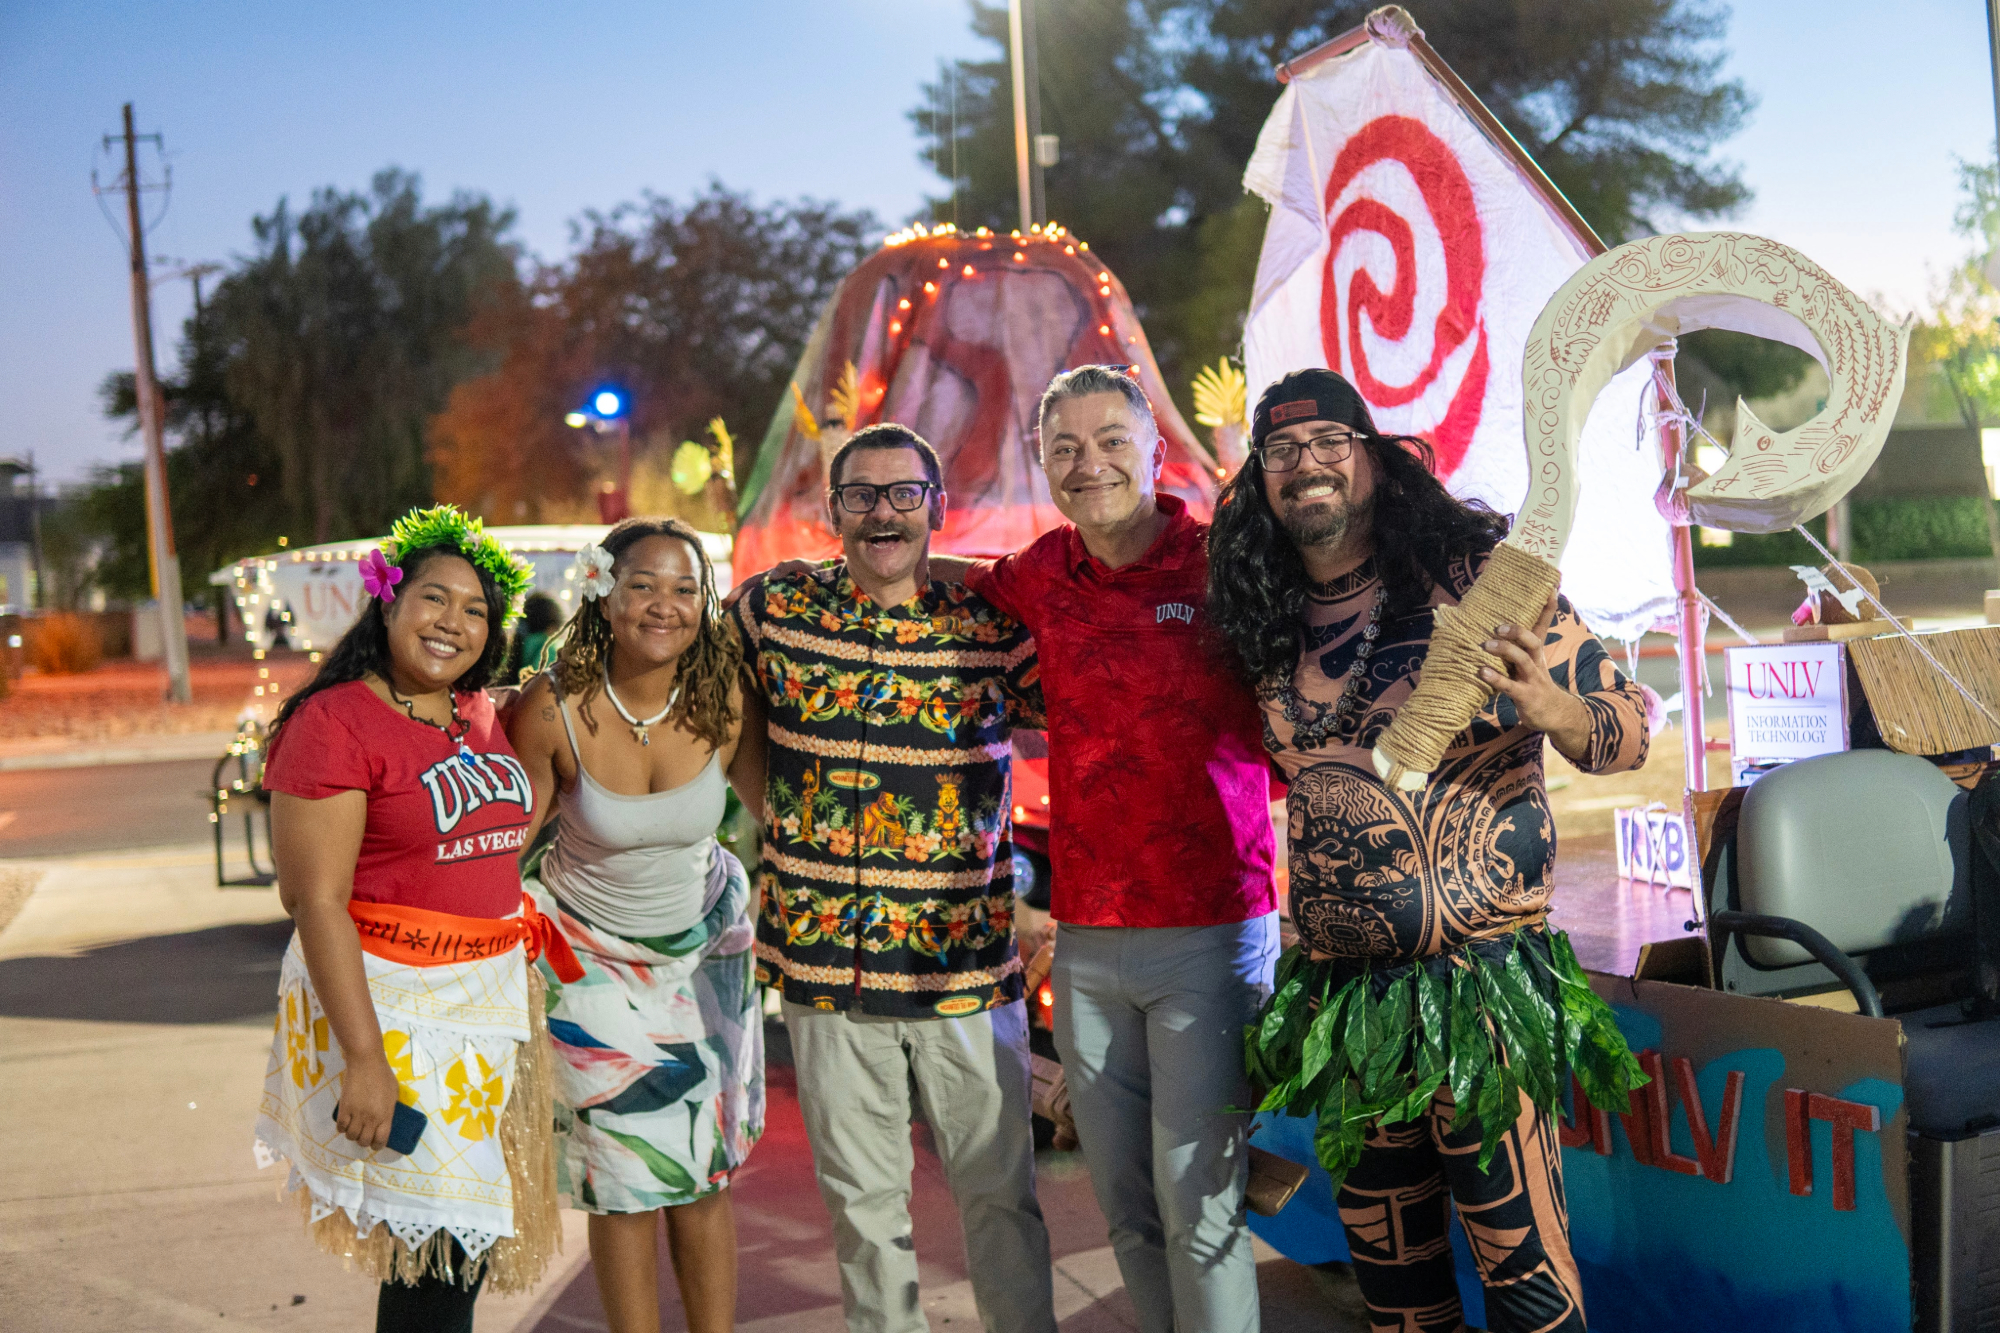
(639, 728)
(1325, 722)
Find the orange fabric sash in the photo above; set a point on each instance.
(418, 937)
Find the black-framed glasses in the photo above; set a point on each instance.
(858, 497)
(1327, 450)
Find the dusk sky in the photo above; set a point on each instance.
(559, 109)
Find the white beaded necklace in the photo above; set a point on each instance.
(639, 728)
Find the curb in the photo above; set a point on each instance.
(61, 752)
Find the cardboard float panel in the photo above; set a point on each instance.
(1789, 1211)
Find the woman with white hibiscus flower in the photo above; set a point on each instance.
(629, 737)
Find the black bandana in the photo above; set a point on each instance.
(1309, 395)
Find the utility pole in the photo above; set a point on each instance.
(35, 531)
(194, 273)
(1027, 115)
(164, 564)
(1038, 204)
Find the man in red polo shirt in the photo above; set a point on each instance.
(1160, 848)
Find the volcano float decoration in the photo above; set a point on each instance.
(955, 335)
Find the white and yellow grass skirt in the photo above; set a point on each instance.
(467, 1039)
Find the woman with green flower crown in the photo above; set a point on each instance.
(410, 1078)
(632, 738)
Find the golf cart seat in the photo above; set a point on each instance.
(1854, 870)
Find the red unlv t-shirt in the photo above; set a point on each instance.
(443, 834)
(1159, 792)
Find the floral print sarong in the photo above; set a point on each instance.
(659, 1054)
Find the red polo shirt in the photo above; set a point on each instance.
(1159, 795)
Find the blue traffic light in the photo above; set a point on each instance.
(607, 403)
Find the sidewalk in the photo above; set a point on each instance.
(135, 1018)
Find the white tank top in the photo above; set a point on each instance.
(635, 865)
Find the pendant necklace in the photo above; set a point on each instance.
(1314, 723)
(639, 728)
(454, 733)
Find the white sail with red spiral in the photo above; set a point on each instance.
(1408, 252)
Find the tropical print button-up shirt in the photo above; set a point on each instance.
(887, 881)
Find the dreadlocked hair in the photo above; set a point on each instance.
(708, 666)
(364, 649)
(1257, 581)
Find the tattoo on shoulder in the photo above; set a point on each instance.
(548, 712)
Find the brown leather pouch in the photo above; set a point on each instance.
(1273, 1182)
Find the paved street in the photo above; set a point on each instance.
(69, 811)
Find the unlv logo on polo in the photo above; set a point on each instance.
(458, 788)
(1400, 209)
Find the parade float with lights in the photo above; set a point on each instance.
(955, 334)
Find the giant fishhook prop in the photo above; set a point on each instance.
(1619, 307)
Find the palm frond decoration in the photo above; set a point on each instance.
(802, 415)
(690, 469)
(844, 403)
(719, 432)
(1221, 395)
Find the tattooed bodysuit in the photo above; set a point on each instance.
(1381, 877)
(1391, 875)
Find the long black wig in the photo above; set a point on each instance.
(1257, 582)
(364, 649)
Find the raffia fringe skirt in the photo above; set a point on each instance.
(527, 1140)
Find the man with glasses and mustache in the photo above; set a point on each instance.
(1331, 551)
(886, 702)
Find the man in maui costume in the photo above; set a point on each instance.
(1428, 1015)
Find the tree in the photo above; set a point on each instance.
(305, 383)
(1618, 100)
(696, 310)
(222, 473)
(1159, 103)
(342, 341)
(1961, 336)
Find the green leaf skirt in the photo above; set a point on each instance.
(1361, 1043)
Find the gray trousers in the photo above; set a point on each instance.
(1149, 1022)
(854, 1075)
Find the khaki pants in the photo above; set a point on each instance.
(854, 1075)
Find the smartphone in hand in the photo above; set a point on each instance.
(406, 1126)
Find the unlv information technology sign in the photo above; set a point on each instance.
(1786, 701)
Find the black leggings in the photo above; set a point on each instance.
(430, 1304)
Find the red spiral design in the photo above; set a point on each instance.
(1447, 195)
